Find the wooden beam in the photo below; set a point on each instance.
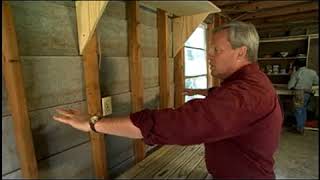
(183, 27)
(88, 16)
(162, 25)
(179, 79)
(209, 37)
(256, 6)
(135, 66)
(217, 22)
(12, 71)
(292, 23)
(283, 11)
(92, 83)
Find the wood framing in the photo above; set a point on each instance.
(183, 27)
(310, 6)
(135, 66)
(162, 25)
(179, 79)
(257, 6)
(12, 71)
(312, 15)
(209, 37)
(92, 84)
(217, 22)
(88, 16)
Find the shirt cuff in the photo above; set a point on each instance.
(144, 121)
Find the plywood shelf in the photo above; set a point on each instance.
(184, 8)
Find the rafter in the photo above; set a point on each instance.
(283, 11)
(311, 15)
(257, 6)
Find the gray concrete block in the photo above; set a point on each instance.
(116, 9)
(113, 36)
(151, 98)
(49, 136)
(148, 17)
(45, 29)
(114, 75)
(149, 41)
(51, 81)
(150, 72)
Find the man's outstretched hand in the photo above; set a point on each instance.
(74, 118)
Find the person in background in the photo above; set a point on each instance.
(239, 122)
(302, 80)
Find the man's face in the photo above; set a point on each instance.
(222, 58)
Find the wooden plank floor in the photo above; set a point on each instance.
(170, 162)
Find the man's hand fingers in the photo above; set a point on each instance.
(75, 111)
(62, 118)
(65, 112)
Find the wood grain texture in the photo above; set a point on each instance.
(88, 16)
(179, 79)
(170, 161)
(298, 8)
(11, 67)
(91, 76)
(162, 26)
(183, 27)
(135, 68)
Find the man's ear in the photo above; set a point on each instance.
(242, 52)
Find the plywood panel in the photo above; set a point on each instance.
(184, 8)
(88, 16)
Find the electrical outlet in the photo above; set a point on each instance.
(106, 106)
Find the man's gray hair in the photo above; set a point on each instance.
(242, 34)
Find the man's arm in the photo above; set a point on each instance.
(191, 92)
(293, 80)
(119, 126)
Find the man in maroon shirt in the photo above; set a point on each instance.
(238, 122)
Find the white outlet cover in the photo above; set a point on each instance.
(106, 106)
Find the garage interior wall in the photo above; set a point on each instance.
(53, 78)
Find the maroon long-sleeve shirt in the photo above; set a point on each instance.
(238, 122)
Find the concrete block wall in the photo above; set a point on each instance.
(53, 78)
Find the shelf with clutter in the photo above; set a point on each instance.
(276, 56)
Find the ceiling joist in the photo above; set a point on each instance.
(310, 6)
(311, 15)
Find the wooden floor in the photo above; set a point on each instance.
(170, 161)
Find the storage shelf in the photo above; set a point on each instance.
(280, 58)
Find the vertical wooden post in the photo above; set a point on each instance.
(179, 78)
(135, 66)
(217, 22)
(209, 37)
(11, 67)
(162, 26)
(91, 75)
